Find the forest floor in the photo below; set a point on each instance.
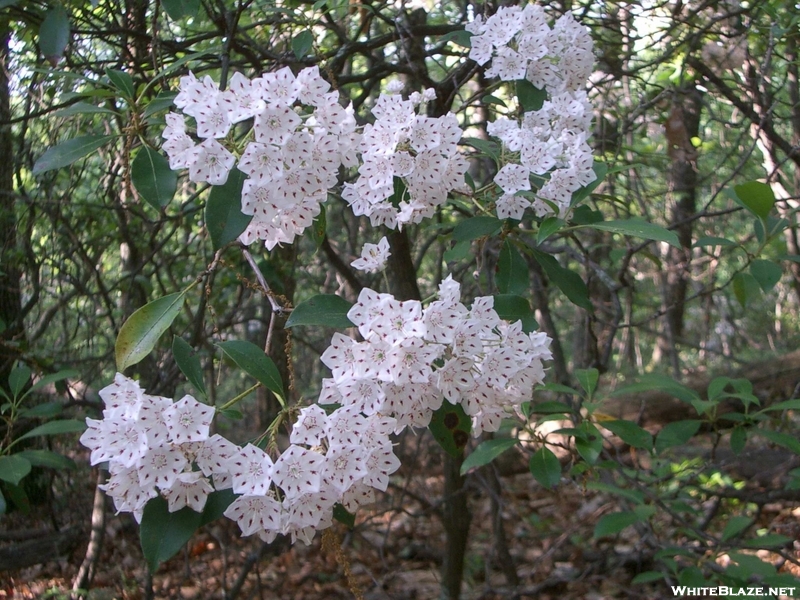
(394, 552)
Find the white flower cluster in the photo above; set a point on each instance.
(413, 358)
(522, 45)
(403, 144)
(301, 135)
(373, 257)
(550, 141)
(153, 446)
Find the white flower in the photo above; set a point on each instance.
(189, 489)
(373, 257)
(251, 469)
(188, 421)
(211, 163)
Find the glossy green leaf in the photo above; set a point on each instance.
(178, 9)
(548, 227)
(530, 97)
(589, 442)
(677, 433)
(68, 152)
(735, 526)
(301, 43)
(745, 288)
(516, 308)
(216, 505)
(18, 379)
(54, 34)
(486, 452)
(460, 251)
(189, 364)
(769, 540)
(513, 276)
(476, 227)
(485, 147)
(55, 428)
(647, 577)
(142, 330)
(254, 361)
(545, 468)
(155, 182)
(324, 309)
(738, 439)
(341, 514)
(450, 426)
(45, 410)
(224, 218)
(614, 523)
(55, 377)
(766, 273)
(588, 379)
(713, 241)
(630, 433)
(160, 103)
(639, 228)
(83, 108)
(14, 468)
(163, 533)
(567, 281)
(48, 459)
(782, 439)
(756, 197)
(122, 82)
(490, 99)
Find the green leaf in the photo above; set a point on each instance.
(301, 43)
(515, 308)
(639, 228)
(633, 495)
(677, 433)
(530, 97)
(486, 452)
(140, 333)
(460, 37)
(55, 428)
(545, 467)
(756, 197)
(450, 426)
(54, 34)
(324, 309)
(254, 361)
(188, 363)
(548, 227)
(216, 505)
(713, 241)
(224, 218)
(48, 459)
(735, 526)
(630, 433)
(122, 82)
(513, 276)
(18, 379)
(769, 540)
(658, 383)
(485, 147)
(588, 379)
(155, 182)
(589, 442)
(782, 439)
(583, 215)
(162, 102)
(785, 405)
(68, 152)
(745, 288)
(45, 410)
(766, 273)
(341, 514)
(13, 468)
(567, 281)
(18, 496)
(613, 523)
(600, 171)
(83, 108)
(551, 407)
(738, 439)
(178, 9)
(461, 251)
(476, 227)
(490, 99)
(647, 577)
(163, 533)
(54, 377)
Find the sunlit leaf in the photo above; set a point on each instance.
(140, 333)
